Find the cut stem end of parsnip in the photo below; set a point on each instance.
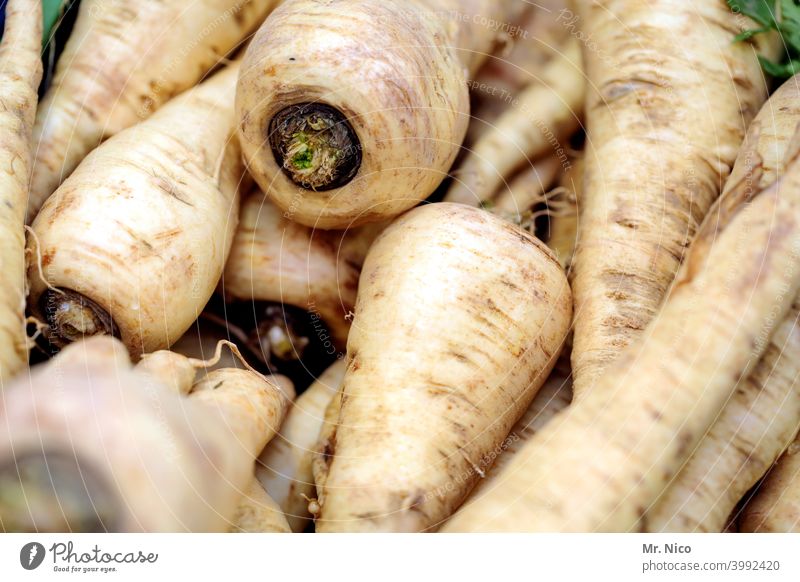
(72, 316)
(315, 145)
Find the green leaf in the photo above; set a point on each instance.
(762, 11)
(780, 70)
(790, 15)
(748, 34)
(782, 16)
(51, 12)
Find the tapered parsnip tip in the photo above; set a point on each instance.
(72, 316)
(171, 369)
(284, 385)
(315, 146)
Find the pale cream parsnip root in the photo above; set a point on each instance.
(135, 240)
(459, 319)
(665, 120)
(763, 414)
(20, 74)
(252, 406)
(353, 111)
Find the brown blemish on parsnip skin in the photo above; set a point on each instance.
(315, 146)
(71, 316)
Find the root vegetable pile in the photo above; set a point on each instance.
(291, 266)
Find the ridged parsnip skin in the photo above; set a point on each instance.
(763, 414)
(144, 225)
(20, 73)
(258, 513)
(276, 259)
(604, 461)
(149, 460)
(251, 405)
(553, 397)
(775, 507)
(284, 467)
(400, 82)
(536, 124)
(665, 120)
(124, 60)
(460, 318)
(755, 427)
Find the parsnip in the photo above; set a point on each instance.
(536, 124)
(90, 444)
(601, 463)
(133, 243)
(254, 414)
(342, 128)
(123, 61)
(515, 66)
(258, 513)
(553, 397)
(763, 414)
(776, 504)
(284, 468)
(664, 123)
(460, 318)
(20, 73)
(527, 187)
(274, 259)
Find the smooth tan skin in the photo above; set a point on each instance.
(659, 148)
(605, 460)
(285, 466)
(20, 73)
(763, 414)
(144, 225)
(173, 369)
(775, 508)
(537, 124)
(252, 406)
(122, 62)
(275, 259)
(460, 318)
(258, 513)
(397, 71)
(151, 460)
